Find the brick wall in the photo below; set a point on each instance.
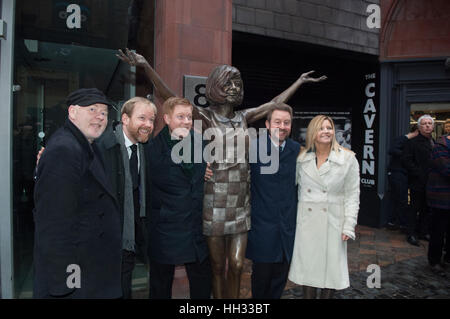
(334, 23)
(415, 29)
(191, 38)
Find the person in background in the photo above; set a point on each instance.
(447, 127)
(398, 180)
(438, 199)
(416, 159)
(328, 179)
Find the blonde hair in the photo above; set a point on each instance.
(171, 102)
(314, 128)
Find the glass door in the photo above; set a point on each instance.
(59, 47)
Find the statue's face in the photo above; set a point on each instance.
(233, 90)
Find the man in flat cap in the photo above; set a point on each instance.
(78, 245)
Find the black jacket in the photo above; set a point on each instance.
(274, 207)
(112, 157)
(416, 158)
(396, 152)
(175, 213)
(76, 221)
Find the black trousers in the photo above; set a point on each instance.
(440, 225)
(199, 276)
(269, 279)
(420, 225)
(398, 209)
(128, 263)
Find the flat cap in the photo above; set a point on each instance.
(86, 97)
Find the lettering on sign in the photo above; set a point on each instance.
(369, 116)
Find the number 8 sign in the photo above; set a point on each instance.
(194, 88)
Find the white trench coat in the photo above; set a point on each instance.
(328, 207)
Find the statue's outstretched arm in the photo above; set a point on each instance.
(135, 59)
(260, 112)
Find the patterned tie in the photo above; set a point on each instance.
(134, 166)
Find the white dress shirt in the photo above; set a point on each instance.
(128, 144)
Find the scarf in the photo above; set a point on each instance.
(188, 168)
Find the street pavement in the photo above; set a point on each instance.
(403, 269)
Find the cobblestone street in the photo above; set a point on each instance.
(404, 271)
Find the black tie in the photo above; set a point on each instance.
(134, 166)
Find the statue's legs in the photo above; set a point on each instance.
(309, 292)
(236, 244)
(327, 293)
(216, 245)
(232, 247)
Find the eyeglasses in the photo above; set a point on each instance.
(94, 110)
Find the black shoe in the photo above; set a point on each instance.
(425, 237)
(412, 240)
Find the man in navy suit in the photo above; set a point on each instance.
(274, 209)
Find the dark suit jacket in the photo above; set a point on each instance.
(396, 151)
(274, 208)
(115, 171)
(76, 221)
(175, 212)
(416, 158)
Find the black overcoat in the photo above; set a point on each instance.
(416, 158)
(175, 212)
(76, 221)
(111, 153)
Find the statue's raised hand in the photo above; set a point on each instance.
(306, 78)
(132, 58)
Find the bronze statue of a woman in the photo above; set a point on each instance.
(226, 204)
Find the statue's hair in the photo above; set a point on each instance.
(216, 81)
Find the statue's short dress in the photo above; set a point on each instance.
(226, 203)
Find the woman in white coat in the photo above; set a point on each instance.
(328, 179)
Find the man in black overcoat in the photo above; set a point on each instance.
(416, 158)
(78, 246)
(176, 205)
